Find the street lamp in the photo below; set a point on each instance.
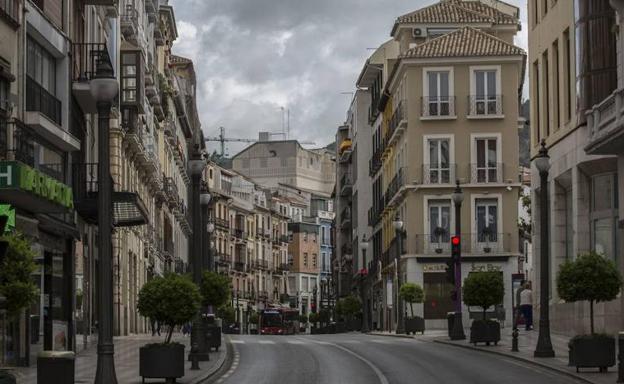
(364, 244)
(457, 333)
(544, 346)
(199, 349)
(398, 228)
(104, 89)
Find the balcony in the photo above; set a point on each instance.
(134, 133)
(437, 108)
(128, 208)
(239, 234)
(222, 224)
(38, 99)
(129, 22)
(472, 244)
(240, 266)
(485, 106)
(222, 259)
(375, 163)
(345, 218)
(9, 11)
(346, 249)
(85, 59)
(484, 174)
(284, 239)
(171, 192)
(346, 185)
(439, 174)
(151, 7)
(397, 182)
(396, 125)
(345, 150)
(605, 123)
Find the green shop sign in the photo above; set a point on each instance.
(15, 175)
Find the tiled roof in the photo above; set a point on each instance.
(457, 11)
(464, 42)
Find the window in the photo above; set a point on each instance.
(305, 259)
(567, 87)
(4, 95)
(536, 103)
(129, 77)
(546, 89)
(486, 169)
(437, 99)
(486, 100)
(604, 215)
(555, 78)
(314, 257)
(41, 66)
(486, 220)
(439, 161)
(324, 261)
(439, 221)
(305, 236)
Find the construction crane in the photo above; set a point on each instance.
(222, 140)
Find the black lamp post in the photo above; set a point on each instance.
(198, 341)
(457, 333)
(363, 276)
(398, 227)
(104, 89)
(544, 346)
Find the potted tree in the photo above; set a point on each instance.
(348, 307)
(484, 289)
(215, 291)
(171, 300)
(413, 293)
(591, 278)
(254, 319)
(303, 322)
(314, 320)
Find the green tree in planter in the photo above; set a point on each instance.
(314, 318)
(171, 300)
(215, 289)
(254, 318)
(412, 293)
(348, 306)
(483, 289)
(303, 319)
(590, 277)
(227, 314)
(16, 274)
(324, 316)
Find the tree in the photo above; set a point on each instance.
(171, 300)
(16, 270)
(591, 278)
(215, 289)
(484, 289)
(524, 226)
(348, 306)
(412, 293)
(314, 317)
(227, 314)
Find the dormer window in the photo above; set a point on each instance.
(131, 79)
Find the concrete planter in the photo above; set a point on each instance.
(161, 361)
(414, 324)
(592, 352)
(55, 367)
(487, 332)
(213, 336)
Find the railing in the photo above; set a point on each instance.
(345, 216)
(482, 243)
(284, 238)
(283, 267)
(437, 106)
(489, 173)
(239, 266)
(395, 184)
(222, 258)
(375, 163)
(171, 190)
(85, 58)
(10, 9)
(129, 15)
(395, 121)
(85, 179)
(439, 174)
(604, 119)
(346, 249)
(222, 223)
(485, 105)
(239, 233)
(40, 100)
(345, 184)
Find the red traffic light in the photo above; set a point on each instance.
(455, 240)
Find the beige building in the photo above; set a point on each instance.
(575, 108)
(441, 112)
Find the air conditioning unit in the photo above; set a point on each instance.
(419, 32)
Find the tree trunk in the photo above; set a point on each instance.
(484, 311)
(169, 334)
(412, 308)
(591, 315)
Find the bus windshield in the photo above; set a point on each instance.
(271, 320)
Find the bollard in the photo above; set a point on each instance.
(620, 378)
(194, 357)
(514, 340)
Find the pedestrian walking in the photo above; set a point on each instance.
(526, 306)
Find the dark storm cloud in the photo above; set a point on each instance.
(254, 56)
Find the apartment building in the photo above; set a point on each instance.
(575, 72)
(440, 112)
(270, 163)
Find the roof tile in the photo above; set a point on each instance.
(457, 11)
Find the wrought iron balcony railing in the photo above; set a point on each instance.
(438, 106)
(485, 105)
(38, 99)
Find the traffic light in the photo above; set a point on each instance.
(450, 271)
(455, 248)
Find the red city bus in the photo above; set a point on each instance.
(278, 321)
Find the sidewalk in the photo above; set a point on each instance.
(127, 362)
(527, 340)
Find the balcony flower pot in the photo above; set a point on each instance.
(485, 331)
(162, 361)
(414, 324)
(592, 351)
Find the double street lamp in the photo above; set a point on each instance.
(457, 332)
(544, 346)
(398, 228)
(104, 89)
(364, 244)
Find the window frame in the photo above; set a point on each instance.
(497, 97)
(427, 157)
(473, 216)
(425, 111)
(474, 179)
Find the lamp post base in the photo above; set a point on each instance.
(198, 339)
(105, 371)
(457, 332)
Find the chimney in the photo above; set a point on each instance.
(263, 136)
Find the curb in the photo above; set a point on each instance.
(520, 358)
(212, 372)
(391, 335)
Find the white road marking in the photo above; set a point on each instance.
(238, 341)
(351, 342)
(295, 342)
(266, 342)
(379, 341)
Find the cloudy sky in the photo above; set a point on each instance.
(254, 57)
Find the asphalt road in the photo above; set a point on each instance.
(363, 359)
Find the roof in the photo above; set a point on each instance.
(454, 12)
(464, 42)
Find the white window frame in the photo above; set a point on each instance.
(429, 246)
(473, 155)
(473, 92)
(425, 108)
(477, 246)
(427, 159)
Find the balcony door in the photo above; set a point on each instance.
(438, 101)
(439, 224)
(439, 161)
(486, 168)
(486, 224)
(486, 97)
